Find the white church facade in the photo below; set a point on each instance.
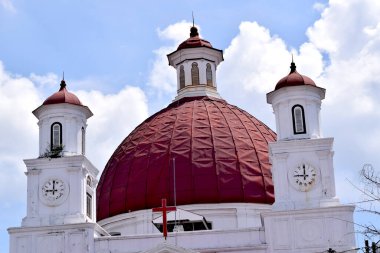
(236, 185)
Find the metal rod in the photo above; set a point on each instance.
(175, 193)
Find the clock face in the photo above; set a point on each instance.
(303, 177)
(54, 191)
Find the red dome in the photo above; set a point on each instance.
(294, 79)
(194, 40)
(220, 151)
(62, 96)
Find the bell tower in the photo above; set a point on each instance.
(61, 182)
(306, 206)
(302, 159)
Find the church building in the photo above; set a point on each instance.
(201, 175)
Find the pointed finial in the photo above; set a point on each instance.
(63, 83)
(193, 29)
(192, 14)
(292, 66)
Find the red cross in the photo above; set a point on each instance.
(164, 209)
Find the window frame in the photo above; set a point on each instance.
(209, 82)
(182, 82)
(52, 144)
(89, 205)
(194, 74)
(294, 119)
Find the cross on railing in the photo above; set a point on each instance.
(164, 209)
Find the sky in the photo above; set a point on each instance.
(113, 54)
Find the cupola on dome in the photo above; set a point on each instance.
(62, 96)
(194, 41)
(220, 154)
(294, 79)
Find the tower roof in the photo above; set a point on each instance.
(220, 151)
(194, 41)
(294, 79)
(62, 96)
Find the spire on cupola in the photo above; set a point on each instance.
(292, 66)
(63, 83)
(196, 62)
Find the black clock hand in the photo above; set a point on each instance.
(53, 187)
(304, 173)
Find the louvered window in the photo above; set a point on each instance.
(181, 77)
(298, 120)
(194, 74)
(209, 74)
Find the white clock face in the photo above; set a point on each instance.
(54, 191)
(303, 177)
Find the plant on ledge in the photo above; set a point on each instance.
(55, 152)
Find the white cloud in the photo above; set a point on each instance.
(256, 60)
(115, 116)
(8, 5)
(341, 29)
(163, 77)
(18, 132)
(50, 79)
(319, 6)
(349, 31)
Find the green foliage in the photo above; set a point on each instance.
(55, 152)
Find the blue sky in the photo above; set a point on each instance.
(113, 54)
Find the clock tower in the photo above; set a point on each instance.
(306, 206)
(61, 182)
(302, 159)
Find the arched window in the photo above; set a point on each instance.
(89, 181)
(181, 77)
(83, 141)
(56, 135)
(298, 115)
(194, 74)
(209, 74)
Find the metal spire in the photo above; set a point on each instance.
(292, 66)
(63, 83)
(193, 29)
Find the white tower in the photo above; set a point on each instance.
(302, 160)
(306, 212)
(61, 182)
(196, 61)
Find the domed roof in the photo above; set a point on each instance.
(220, 154)
(62, 96)
(194, 40)
(294, 79)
